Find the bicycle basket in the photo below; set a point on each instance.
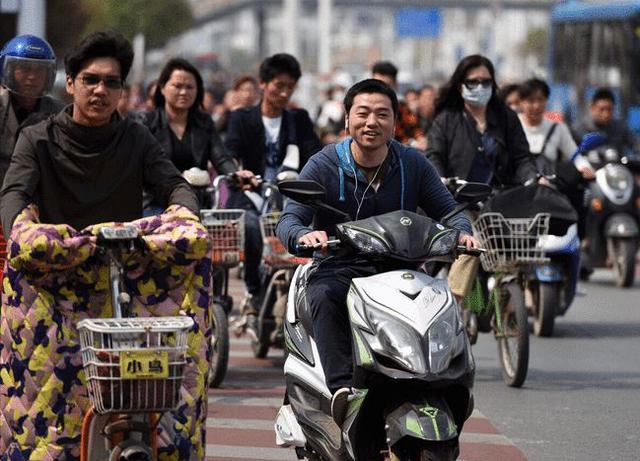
(511, 242)
(134, 364)
(274, 253)
(226, 231)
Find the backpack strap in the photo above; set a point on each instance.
(547, 138)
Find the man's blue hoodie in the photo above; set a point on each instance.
(409, 182)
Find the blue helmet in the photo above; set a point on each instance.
(27, 66)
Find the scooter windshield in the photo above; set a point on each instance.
(400, 235)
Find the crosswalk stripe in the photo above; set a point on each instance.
(232, 451)
(240, 400)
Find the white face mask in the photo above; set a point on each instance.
(479, 96)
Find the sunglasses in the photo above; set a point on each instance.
(472, 83)
(91, 81)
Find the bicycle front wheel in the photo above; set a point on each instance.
(512, 334)
(220, 345)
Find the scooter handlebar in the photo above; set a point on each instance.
(472, 252)
(303, 248)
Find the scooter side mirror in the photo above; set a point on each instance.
(632, 164)
(304, 191)
(310, 193)
(472, 192)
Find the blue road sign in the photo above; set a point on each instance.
(418, 22)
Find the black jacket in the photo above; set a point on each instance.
(81, 175)
(246, 138)
(206, 144)
(453, 142)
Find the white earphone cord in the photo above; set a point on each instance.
(365, 190)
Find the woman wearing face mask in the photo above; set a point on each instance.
(476, 137)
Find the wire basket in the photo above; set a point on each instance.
(134, 364)
(226, 231)
(511, 242)
(274, 253)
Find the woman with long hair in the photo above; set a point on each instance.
(187, 134)
(476, 137)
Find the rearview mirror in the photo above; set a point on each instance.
(302, 190)
(472, 192)
(591, 141)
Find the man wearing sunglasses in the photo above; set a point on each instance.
(86, 164)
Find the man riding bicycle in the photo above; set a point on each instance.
(79, 168)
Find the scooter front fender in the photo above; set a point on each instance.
(621, 225)
(431, 420)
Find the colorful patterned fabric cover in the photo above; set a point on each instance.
(54, 279)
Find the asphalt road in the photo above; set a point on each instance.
(581, 399)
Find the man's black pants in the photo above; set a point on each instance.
(327, 294)
(253, 242)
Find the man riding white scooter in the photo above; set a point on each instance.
(365, 175)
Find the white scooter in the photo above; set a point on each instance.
(413, 361)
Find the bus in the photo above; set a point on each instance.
(596, 44)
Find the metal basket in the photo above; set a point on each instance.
(226, 231)
(511, 242)
(134, 364)
(274, 253)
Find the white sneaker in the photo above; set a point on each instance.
(339, 404)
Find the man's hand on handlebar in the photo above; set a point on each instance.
(317, 239)
(247, 179)
(469, 241)
(587, 172)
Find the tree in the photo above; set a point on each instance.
(64, 19)
(158, 20)
(535, 44)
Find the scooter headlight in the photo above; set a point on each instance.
(366, 243)
(397, 341)
(444, 340)
(618, 177)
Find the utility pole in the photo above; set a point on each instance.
(324, 36)
(291, 13)
(32, 17)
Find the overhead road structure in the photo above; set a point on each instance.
(231, 7)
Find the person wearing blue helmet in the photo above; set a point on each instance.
(27, 72)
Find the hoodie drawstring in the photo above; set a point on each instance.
(401, 183)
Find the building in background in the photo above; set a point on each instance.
(425, 42)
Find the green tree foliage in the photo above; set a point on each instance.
(158, 20)
(535, 44)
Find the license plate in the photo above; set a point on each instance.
(144, 364)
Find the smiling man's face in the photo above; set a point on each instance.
(371, 121)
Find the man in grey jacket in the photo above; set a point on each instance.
(27, 72)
